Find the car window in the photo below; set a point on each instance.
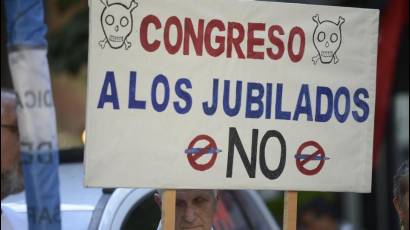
(230, 214)
(145, 215)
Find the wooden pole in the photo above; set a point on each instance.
(290, 210)
(168, 209)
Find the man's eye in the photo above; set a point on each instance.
(11, 128)
(180, 203)
(200, 200)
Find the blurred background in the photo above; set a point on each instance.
(67, 22)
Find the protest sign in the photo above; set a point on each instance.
(230, 95)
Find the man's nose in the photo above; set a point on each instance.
(190, 214)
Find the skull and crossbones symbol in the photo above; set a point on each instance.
(116, 22)
(327, 39)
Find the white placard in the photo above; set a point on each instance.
(230, 95)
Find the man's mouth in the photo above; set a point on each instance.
(196, 227)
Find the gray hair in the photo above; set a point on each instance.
(161, 192)
(401, 181)
(7, 96)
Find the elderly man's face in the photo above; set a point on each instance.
(312, 222)
(11, 176)
(402, 208)
(406, 210)
(195, 209)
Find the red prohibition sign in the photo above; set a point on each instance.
(318, 154)
(192, 158)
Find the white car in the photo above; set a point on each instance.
(114, 209)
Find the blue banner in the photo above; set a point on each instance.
(27, 45)
(25, 23)
(40, 180)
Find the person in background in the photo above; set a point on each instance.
(11, 171)
(319, 214)
(195, 209)
(401, 194)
